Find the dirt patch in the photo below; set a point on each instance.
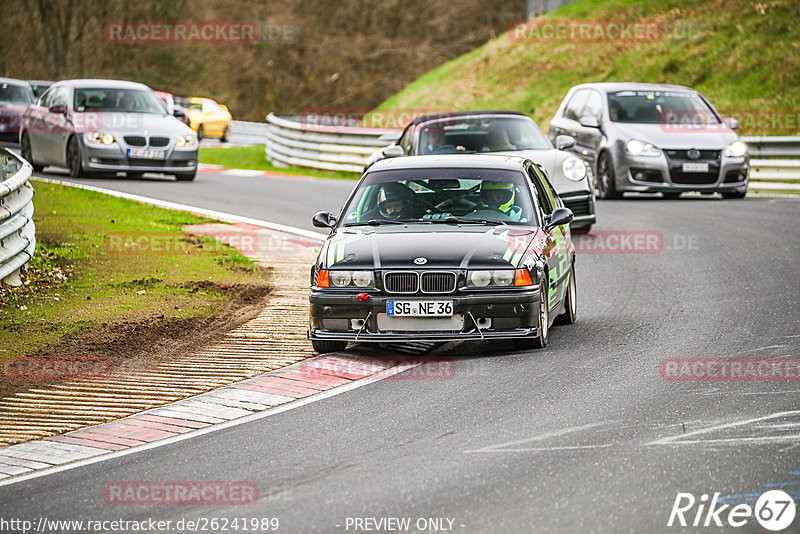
(142, 344)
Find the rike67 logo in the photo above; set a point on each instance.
(774, 510)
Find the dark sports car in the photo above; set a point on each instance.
(441, 248)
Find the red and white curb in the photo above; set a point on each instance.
(248, 173)
(264, 395)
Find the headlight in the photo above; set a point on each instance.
(500, 277)
(187, 141)
(574, 168)
(351, 278)
(362, 278)
(480, 278)
(503, 278)
(641, 148)
(100, 138)
(341, 278)
(736, 149)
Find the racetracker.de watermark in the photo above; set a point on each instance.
(380, 368)
(396, 118)
(59, 368)
(153, 243)
(731, 369)
(580, 30)
(133, 32)
(631, 242)
(180, 493)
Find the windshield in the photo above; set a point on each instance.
(119, 100)
(15, 94)
(441, 196)
(462, 135)
(659, 107)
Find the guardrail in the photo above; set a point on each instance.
(775, 161)
(774, 164)
(291, 141)
(17, 231)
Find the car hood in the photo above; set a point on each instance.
(133, 123)
(445, 246)
(679, 137)
(551, 159)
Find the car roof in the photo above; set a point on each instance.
(450, 161)
(449, 114)
(101, 83)
(612, 87)
(199, 99)
(14, 80)
(41, 82)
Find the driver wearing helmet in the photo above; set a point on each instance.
(393, 203)
(500, 196)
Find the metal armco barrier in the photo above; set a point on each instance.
(17, 232)
(292, 141)
(774, 163)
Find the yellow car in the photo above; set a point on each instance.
(209, 119)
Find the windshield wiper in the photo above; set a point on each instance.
(375, 222)
(462, 220)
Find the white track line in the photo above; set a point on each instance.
(681, 438)
(227, 217)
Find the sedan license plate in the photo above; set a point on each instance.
(695, 167)
(419, 308)
(146, 153)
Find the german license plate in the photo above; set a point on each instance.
(419, 308)
(146, 153)
(695, 167)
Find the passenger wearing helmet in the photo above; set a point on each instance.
(393, 203)
(500, 196)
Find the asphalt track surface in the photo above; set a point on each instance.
(583, 436)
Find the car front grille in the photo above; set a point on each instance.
(135, 140)
(438, 282)
(401, 282)
(578, 206)
(704, 155)
(159, 141)
(693, 178)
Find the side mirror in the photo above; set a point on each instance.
(564, 141)
(323, 219)
(589, 121)
(61, 109)
(223, 106)
(732, 123)
(393, 151)
(560, 216)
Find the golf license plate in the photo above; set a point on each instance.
(419, 308)
(695, 167)
(146, 153)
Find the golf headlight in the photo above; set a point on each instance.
(574, 168)
(736, 149)
(187, 141)
(642, 148)
(100, 138)
(500, 277)
(351, 278)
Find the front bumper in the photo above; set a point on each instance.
(512, 314)
(581, 204)
(664, 173)
(113, 158)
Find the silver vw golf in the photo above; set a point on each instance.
(653, 138)
(106, 126)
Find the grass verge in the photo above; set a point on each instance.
(80, 282)
(252, 157)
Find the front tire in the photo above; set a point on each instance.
(540, 341)
(226, 134)
(323, 346)
(200, 133)
(74, 159)
(186, 177)
(734, 194)
(27, 153)
(571, 301)
(606, 179)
